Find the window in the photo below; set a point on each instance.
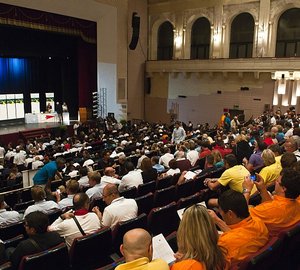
(241, 36)
(165, 41)
(288, 34)
(200, 39)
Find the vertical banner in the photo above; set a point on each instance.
(11, 106)
(3, 108)
(35, 103)
(50, 102)
(19, 99)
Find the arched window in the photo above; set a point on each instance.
(165, 41)
(241, 36)
(200, 39)
(288, 34)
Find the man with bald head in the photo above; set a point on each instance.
(66, 226)
(109, 177)
(137, 251)
(118, 208)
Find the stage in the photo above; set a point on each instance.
(14, 130)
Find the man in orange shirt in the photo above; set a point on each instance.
(242, 234)
(283, 210)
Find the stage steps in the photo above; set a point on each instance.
(33, 133)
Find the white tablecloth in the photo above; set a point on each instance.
(31, 118)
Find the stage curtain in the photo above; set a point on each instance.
(39, 20)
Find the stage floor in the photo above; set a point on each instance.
(8, 128)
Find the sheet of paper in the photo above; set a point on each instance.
(161, 249)
(189, 175)
(180, 212)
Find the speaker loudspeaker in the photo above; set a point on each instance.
(135, 24)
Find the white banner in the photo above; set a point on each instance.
(50, 102)
(35, 102)
(3, 108)
(11, 106)
(19, 99)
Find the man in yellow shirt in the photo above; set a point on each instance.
(242, 234)
(283, 210)
(137, 251)
(233, 177)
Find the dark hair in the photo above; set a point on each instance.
(234, 201)
(210, 159)
(288, 160)
(38, 221)
(291, 181)
(80, 200)
(231, 160)
(261, 145)
(173, 164)
(276, 148)
(129, 166)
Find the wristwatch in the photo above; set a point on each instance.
(245, 190)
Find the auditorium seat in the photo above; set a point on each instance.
(12, 231)
(92, 250)
(175, 178)
(54, 258)
(172, 241)
(21, 207)
(188, 201)
(163, 220)
(54, 215)
(144, 189)
(185, 189)
(216, 173)
(123, 227)
(198, 182)
(266, 258)
(26, 195)
(164, 196)
(13, 242)
(291, 247)
(98, 202)
(145, 203)
(55, 184)
(11, 198)
(129, 193)
(200, 163)
(164, 182)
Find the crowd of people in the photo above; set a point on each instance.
(260, 157)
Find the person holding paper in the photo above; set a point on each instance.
(197, 240)
(137, 251)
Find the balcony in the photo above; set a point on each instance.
(225, 66)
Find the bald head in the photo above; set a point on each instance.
(137, 243)
(109, 171)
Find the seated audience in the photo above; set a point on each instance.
(233, 177)
(36, 224)
(7, 217)
(66, 226)
(197, 240)
(37, 163)
(205, 149)
(155, 164)
(192, 155)
(109, 177)
(182, 163)
(166, 157)
(133, 178)
(118, 208)
(272, 169)
(255, 160)
(291, 146)
(95, 190)
(218, 160)
(242, 235)
(283, 210)
(106, 161)
(173, 168)
(137, 251)
(38, 194)
(72, 187)
(148, 172)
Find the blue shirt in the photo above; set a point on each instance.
(159, 168)
(46, 172)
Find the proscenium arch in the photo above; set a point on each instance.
(242, 36)
(165, 41)
(200, 39)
